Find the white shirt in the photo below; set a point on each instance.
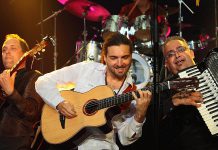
(86, 76)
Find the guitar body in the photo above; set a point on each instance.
(51, 127)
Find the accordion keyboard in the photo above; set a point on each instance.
(208, 88)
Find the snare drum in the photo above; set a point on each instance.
(141, 70)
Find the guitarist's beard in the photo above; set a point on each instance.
(114, 71)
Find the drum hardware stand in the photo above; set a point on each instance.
(180, 15)
(82, 51)
(54, 15)
(77, 52)
(83, 55)
(70, 59)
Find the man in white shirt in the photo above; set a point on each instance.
(117, 58)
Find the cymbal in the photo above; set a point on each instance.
(92, 11)
(167, 11)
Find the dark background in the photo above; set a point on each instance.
(22, 16)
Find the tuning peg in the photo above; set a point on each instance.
(52, 39)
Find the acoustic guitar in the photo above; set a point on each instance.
(92, 108)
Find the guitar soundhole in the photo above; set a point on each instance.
(91, 107)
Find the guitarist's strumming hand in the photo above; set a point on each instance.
(187, 98)
(142, 104)
(7, 82)
(66, 109)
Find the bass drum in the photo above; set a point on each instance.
(141, 70)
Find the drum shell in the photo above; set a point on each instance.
(142, 22)
(91, 52)
(114, 23)
(142, 27)
(141, 70)
(145, 48)
(196, 45)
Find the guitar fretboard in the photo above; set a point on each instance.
(119, 99)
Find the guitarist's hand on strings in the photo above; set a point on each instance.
(193, 98)
(142, 103)
(66, 109)
(7, 82)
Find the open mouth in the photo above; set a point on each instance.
(179, 62)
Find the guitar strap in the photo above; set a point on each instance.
(126, 105)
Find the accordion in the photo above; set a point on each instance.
(207, 74)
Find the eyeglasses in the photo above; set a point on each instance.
(172, 53)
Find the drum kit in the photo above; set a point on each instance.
(139, 32)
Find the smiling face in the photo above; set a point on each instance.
(118, 60)
(175, 58)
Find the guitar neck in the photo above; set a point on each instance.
(177, 84)
(17, 65)
(36, 49)
(126, 97)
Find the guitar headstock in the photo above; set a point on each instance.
(184, 83)
(39, 47)
(36, 49)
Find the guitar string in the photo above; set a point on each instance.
(107, 100)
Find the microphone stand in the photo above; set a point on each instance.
(54, 15)
(180, 15)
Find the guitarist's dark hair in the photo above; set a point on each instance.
(114, 39)
(23, 43)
